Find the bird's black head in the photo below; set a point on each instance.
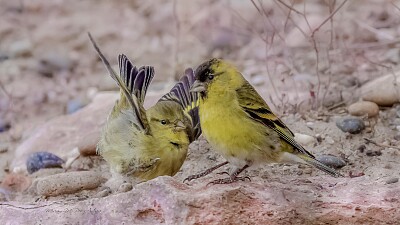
(203, 71)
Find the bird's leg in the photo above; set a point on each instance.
(208, 171)
(232, 178)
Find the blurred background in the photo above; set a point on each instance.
(300, 55)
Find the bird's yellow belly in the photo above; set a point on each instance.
(170, 161)
(235, 136)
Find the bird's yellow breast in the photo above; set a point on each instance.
(230, 131)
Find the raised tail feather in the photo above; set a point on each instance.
(320, 166)
(136, 80)
(127, 83)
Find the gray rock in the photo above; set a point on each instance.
(53, 62)
(352, 125)
(74, 105)
(392, 180)
(20, 48)
(3, 147)
(4, 125)
(40, 160)
(331, 161)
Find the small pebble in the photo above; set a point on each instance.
(3, 56)
(364, 108)
(319, 138)
(352, 125)
(14, 182)
(329, 140)
(361, 148)
(396, 121)
(20, 48)
(3, 148)
(308, 170)
(373, 153)
(4, 126)
(310, 125)
(331, 161)
(103, 193)
(304, 139)
(397, 137)
(125, 187)
(54, 62)
(349, 81)
(398, 112)
(74, 105)
(392, 180)
(40, 160)
(258, 80)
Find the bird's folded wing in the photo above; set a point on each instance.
(257, 109)
(136, 82)
(188, 100)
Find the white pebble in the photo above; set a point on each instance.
(304, 139)
(329, 140)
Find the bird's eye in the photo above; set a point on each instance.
(210, 77)
(163, 122)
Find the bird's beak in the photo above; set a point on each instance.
(179, 125)
(198, 87)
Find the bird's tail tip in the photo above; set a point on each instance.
(321, 166)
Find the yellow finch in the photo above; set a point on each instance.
(240, 126)
(143, 143)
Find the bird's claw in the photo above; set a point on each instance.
(229, 180)
(192, 177)
(222, 173)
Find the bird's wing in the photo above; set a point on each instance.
(136, 80)
(131, 81)
(257, 109)
(188, 100)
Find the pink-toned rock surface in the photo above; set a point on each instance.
(166, 200)
(67, 132)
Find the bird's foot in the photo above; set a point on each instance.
(196, 176)
(208, 171)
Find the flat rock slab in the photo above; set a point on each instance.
(166, 200)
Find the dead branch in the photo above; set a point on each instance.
(380, 144)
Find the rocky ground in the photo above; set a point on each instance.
(343, 106)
